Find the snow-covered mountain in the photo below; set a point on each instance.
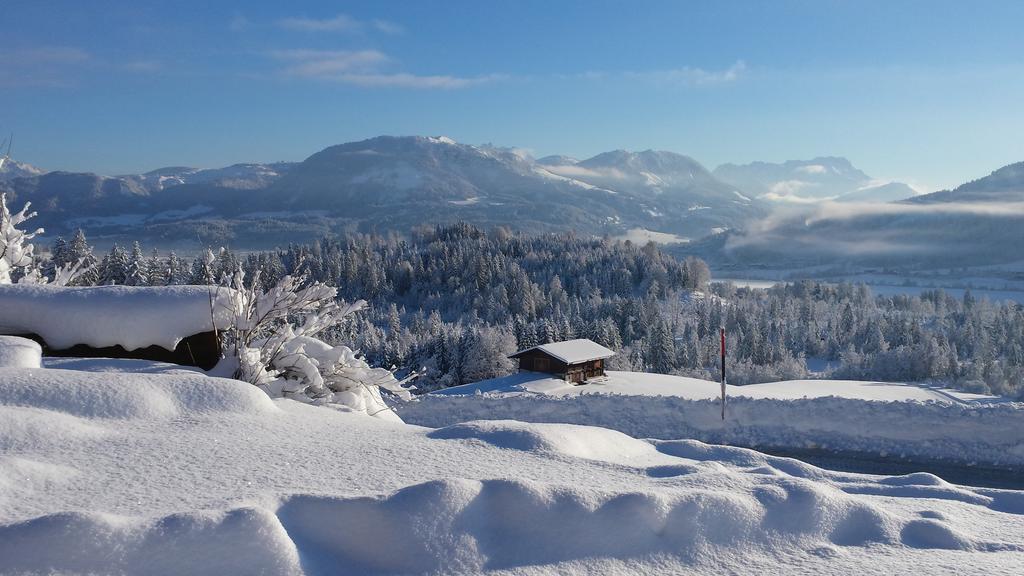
(241, 176)
(809, 181)
(394, 183)
(407, 177)
(11, 169)
(1003, 185)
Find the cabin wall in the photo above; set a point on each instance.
(201, 350)
(537, 361)
(578, 373)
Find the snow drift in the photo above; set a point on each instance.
(177, 473)
(18, 352)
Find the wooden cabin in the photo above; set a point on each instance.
(574, 361)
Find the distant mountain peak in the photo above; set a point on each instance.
(807, 181)
(12, 169)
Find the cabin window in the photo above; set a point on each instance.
(542, 364)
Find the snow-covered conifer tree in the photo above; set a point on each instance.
(16, 252)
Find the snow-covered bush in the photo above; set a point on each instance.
(17, 258)
(272, 342)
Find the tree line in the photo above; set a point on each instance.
(454, 301)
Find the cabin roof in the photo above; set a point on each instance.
(571, 351)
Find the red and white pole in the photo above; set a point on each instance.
(723, 371)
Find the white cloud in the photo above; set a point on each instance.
(48, 55)
(406, 80)
(363, 68)
(856, 229)
(52, 66)
(577, 171)
(238, 23)
(341, 22)
(388, 27)
(812, 169)
(327, 63)
(692, 76)
(143, 66)
(789, 187)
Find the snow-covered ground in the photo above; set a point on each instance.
(130, 467)
(871, 418)
(644, 384)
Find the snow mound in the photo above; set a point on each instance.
(241, 541)
(18, 352)
(128, 396)
(463, 526)
(566, 439)
(130, 316)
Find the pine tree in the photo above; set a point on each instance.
(137, 269)
(114, 269)
(79, 251)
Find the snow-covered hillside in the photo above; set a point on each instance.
(174, 472)
(236, 176)
(869, 418)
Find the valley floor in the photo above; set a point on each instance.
(129, 467)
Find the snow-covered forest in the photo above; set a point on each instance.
(456, 300)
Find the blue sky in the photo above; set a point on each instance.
(925, 92)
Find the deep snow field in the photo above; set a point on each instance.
(133, 467)
(645, 384)
(905, 422)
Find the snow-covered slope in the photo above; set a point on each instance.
(185, 474)
(237, 176)
(1005, 185)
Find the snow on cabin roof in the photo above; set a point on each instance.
(572, 351)
(98, 316)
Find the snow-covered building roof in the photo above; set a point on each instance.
(99, 316)
(572, 351)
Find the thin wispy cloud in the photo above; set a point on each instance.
(327, 64)
(406, 80)
(41, 66)
(387, 26)
(339, 23)
(691, 75)
(671, 77)
(867, 228)
(47, 55)
(238, 23)
(143, 66)
(365, 68)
